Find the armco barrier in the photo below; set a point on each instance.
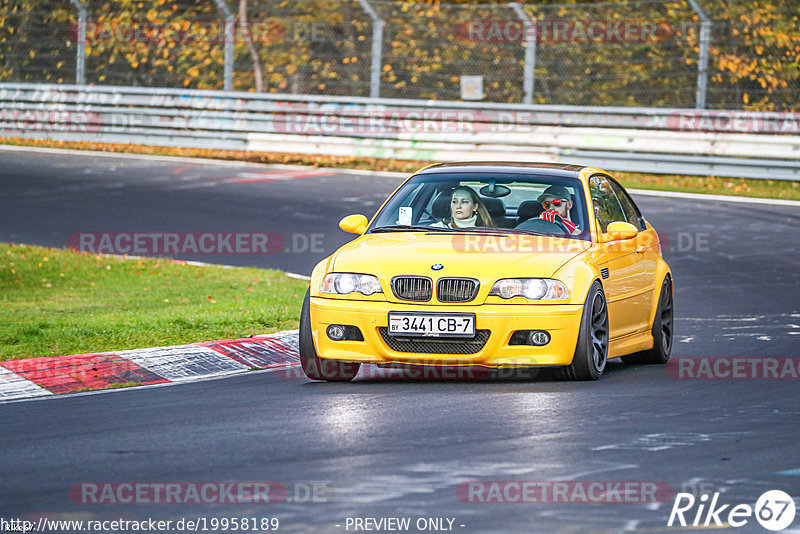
(744, 144)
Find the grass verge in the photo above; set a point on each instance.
(781, 189)
(58, 302)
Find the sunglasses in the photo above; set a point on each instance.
(557, 202)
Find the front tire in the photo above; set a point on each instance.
(662, 330)
(314, 367)
(591, 351)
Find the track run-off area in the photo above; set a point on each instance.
(332, 453)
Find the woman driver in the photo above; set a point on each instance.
(466, 210)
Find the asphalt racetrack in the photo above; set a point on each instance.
(406, 448)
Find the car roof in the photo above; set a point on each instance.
(561, 170)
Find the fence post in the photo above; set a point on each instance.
(377, 50)
(80, 64)
(530, 36)
(702, 60)
(230, 32)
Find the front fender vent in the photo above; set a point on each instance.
(604, 273)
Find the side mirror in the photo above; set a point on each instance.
(620, 231)
(354, 224)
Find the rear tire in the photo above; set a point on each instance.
(591, 351)
(314, 367)
(662, 330)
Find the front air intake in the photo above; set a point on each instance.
(456, 289)
(413, 288)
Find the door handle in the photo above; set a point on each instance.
(641, 250)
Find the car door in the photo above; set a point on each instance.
(647, 249)
(623, 271)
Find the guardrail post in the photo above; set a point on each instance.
(530, 36)
(702, 60)
(230, 32)
(377, 50)
(80, 64)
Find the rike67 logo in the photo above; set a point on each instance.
(774, 510)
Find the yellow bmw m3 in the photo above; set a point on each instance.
(493, 265)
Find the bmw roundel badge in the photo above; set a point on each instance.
(437, 266)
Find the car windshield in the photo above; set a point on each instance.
(484, 202)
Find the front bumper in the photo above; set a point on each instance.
(561, 321)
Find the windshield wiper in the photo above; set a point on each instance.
(546, 234)
(531, 232)
(471, 229)
(502, 231)
(481, 230)
(407, 228)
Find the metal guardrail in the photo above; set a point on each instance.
(652, 140)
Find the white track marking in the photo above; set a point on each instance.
(720, 198)
(184, 362)
(134, 388)
(14, 386)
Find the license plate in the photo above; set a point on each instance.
(432, 324)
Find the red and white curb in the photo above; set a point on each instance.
(37, 377)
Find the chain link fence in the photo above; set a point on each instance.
(38, 41)
(305, 47)
(640, 54)
(428, 50)
(719, 54)
(755, 51)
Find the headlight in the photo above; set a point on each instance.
(346, 283)
(530, 288)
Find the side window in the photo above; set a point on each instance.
(606, 206)
(632, 214)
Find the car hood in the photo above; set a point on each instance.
(473, 255)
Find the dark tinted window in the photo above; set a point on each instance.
(607, 208)
(632, 214)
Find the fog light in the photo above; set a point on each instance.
(538, 338)
(336, 332)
